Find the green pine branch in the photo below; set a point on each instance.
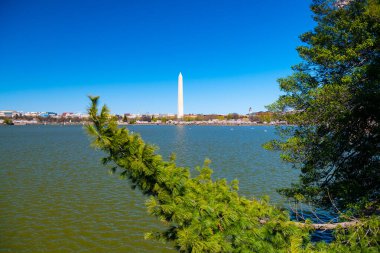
(199, 214)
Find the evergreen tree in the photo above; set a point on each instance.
(335, 97)
(203, 215)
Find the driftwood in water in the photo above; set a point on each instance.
(323, 226)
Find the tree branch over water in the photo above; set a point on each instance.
(198, 213)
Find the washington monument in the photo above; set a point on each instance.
(180, 97)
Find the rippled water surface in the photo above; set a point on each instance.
(56, 197)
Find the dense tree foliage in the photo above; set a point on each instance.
(335, 96)
(205, 215)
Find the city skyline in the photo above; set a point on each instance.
(129, 54)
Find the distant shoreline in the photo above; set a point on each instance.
(177, 123)
(204, 124)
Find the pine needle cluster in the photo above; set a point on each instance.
(200, 214)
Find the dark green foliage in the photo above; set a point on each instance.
(335, 94)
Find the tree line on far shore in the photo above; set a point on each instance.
(259, 117)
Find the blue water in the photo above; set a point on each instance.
(235, 152)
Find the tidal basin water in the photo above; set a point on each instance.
(57, 197)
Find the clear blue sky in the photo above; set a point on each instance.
(54, 53)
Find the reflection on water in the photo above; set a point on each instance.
(56, 196)
(179, 144)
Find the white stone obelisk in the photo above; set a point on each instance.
(180, 97)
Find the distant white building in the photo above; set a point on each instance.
(32, 114)
(80, 115)
(8, 113)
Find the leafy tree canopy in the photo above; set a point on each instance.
(335, 96)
